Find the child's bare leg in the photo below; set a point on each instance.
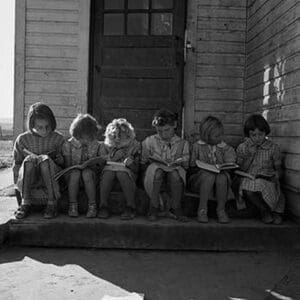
(128, 188)
(23, 210)
(221, 193)
(207, 180)
(154, 198)
(45, 171)
(176, 188)
(73, 188)
(106, 185)
(257, 199)
(157, 183)
(88, 177)
(27, 180)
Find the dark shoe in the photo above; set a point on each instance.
(22, 212)
(152, 215)
(73, 210)
(92, 211)
(277, 218)
(179, 215)
(50, 212)
(103, 213)
(222, 217)
(202, 216)
(267, 217)
(128, 214)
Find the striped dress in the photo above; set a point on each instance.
(267, 160)
(168, 151)
(211, 154)
(36, 193)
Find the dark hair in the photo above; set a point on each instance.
(207, 125)
(40, 111)
(84, 124)
(256, 121)
(164, 117)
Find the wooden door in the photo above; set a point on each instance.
(136, 60)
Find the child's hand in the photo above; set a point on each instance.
(32, 157)
(252, 150)
(58, 159)
(128, 161)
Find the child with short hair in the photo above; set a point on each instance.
(37, 157)
(211, 149)
(119, 146)
(165, 146)
(261, 158)
(79, 149)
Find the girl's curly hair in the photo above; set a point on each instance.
(114, 129)
(84, 125)
(164, 117)
(207, 125)
(40, 111)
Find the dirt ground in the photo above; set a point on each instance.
(45, 273)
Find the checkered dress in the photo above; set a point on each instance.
(266, 160)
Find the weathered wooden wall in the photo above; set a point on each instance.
(272, 78)
(54, 60)
(220, 48)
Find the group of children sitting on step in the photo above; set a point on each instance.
(162, 159)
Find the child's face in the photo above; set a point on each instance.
(215, 137)
(257, 136)
(42, 127)
(166, 132)
(85, 139)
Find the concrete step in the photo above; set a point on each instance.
(165, 234)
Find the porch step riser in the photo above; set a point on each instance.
(160, 236)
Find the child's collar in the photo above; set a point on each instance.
(220, 145)
(267, 144)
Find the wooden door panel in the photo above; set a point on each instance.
(134, 75)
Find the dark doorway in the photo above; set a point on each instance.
(136, 60)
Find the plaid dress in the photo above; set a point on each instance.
(266, 161)
(211, 154)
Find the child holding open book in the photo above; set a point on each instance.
(122, 152)
(165, 158)
(82, 150)
(260, 158)
(211, 150)
(37, 157)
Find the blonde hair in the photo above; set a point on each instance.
(114, 129)
(207, 126)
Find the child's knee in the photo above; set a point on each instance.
(221, 179)
(207, 177)
(87, 175)
(44, 167)
(29, 166)
(75, 175)
(174, 177)
(159, 175)
(122, 176)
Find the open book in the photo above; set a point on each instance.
(216, 168)
(51, 154)
(91, 162)
(268, 177)
(174, 163)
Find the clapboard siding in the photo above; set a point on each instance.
(272, 76)
(220, 49)
(52, 49)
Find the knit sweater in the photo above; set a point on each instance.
(35, 144)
